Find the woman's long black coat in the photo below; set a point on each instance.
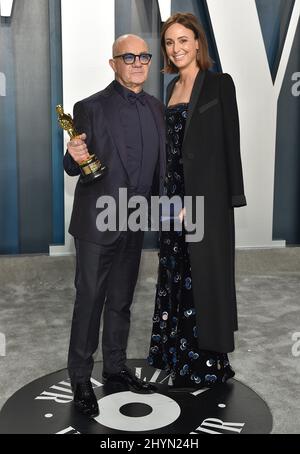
(212, 168)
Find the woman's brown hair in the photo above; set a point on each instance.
(190, 21)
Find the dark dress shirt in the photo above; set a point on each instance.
(141, 140)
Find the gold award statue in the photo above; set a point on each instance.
(91, 169)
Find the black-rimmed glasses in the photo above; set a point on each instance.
(129, 58)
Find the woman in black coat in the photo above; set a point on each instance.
(195, 309)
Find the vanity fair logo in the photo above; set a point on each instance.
(162, 411)
(231, 408)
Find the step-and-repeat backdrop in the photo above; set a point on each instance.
(57, 51)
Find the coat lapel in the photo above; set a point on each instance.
(194, 97)
(198, 84)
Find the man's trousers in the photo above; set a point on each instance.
(106, 276)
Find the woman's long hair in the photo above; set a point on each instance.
(190, 21)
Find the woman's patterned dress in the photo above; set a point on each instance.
(174, 337)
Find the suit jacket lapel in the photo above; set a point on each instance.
(112, 113)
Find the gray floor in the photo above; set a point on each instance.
(36, 304)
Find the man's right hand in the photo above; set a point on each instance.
(77, 149)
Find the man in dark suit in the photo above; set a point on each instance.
(124, 127)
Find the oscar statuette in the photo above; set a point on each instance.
(91, 169)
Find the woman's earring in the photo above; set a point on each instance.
(168, 61)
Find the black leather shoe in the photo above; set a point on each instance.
(85, 400)
(127, 377)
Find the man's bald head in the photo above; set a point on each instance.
(126, 41)
(132, 75)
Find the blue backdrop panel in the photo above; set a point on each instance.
(58, 230)
(30, 25)
(31, 184)
(286, 220)
(9, 232)
(274, 16)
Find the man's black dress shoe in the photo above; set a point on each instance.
(127, 377)
(85, 400)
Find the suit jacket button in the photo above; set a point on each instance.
(190, 155)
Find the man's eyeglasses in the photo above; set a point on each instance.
(129, 59)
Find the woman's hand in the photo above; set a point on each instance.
(182, 214)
